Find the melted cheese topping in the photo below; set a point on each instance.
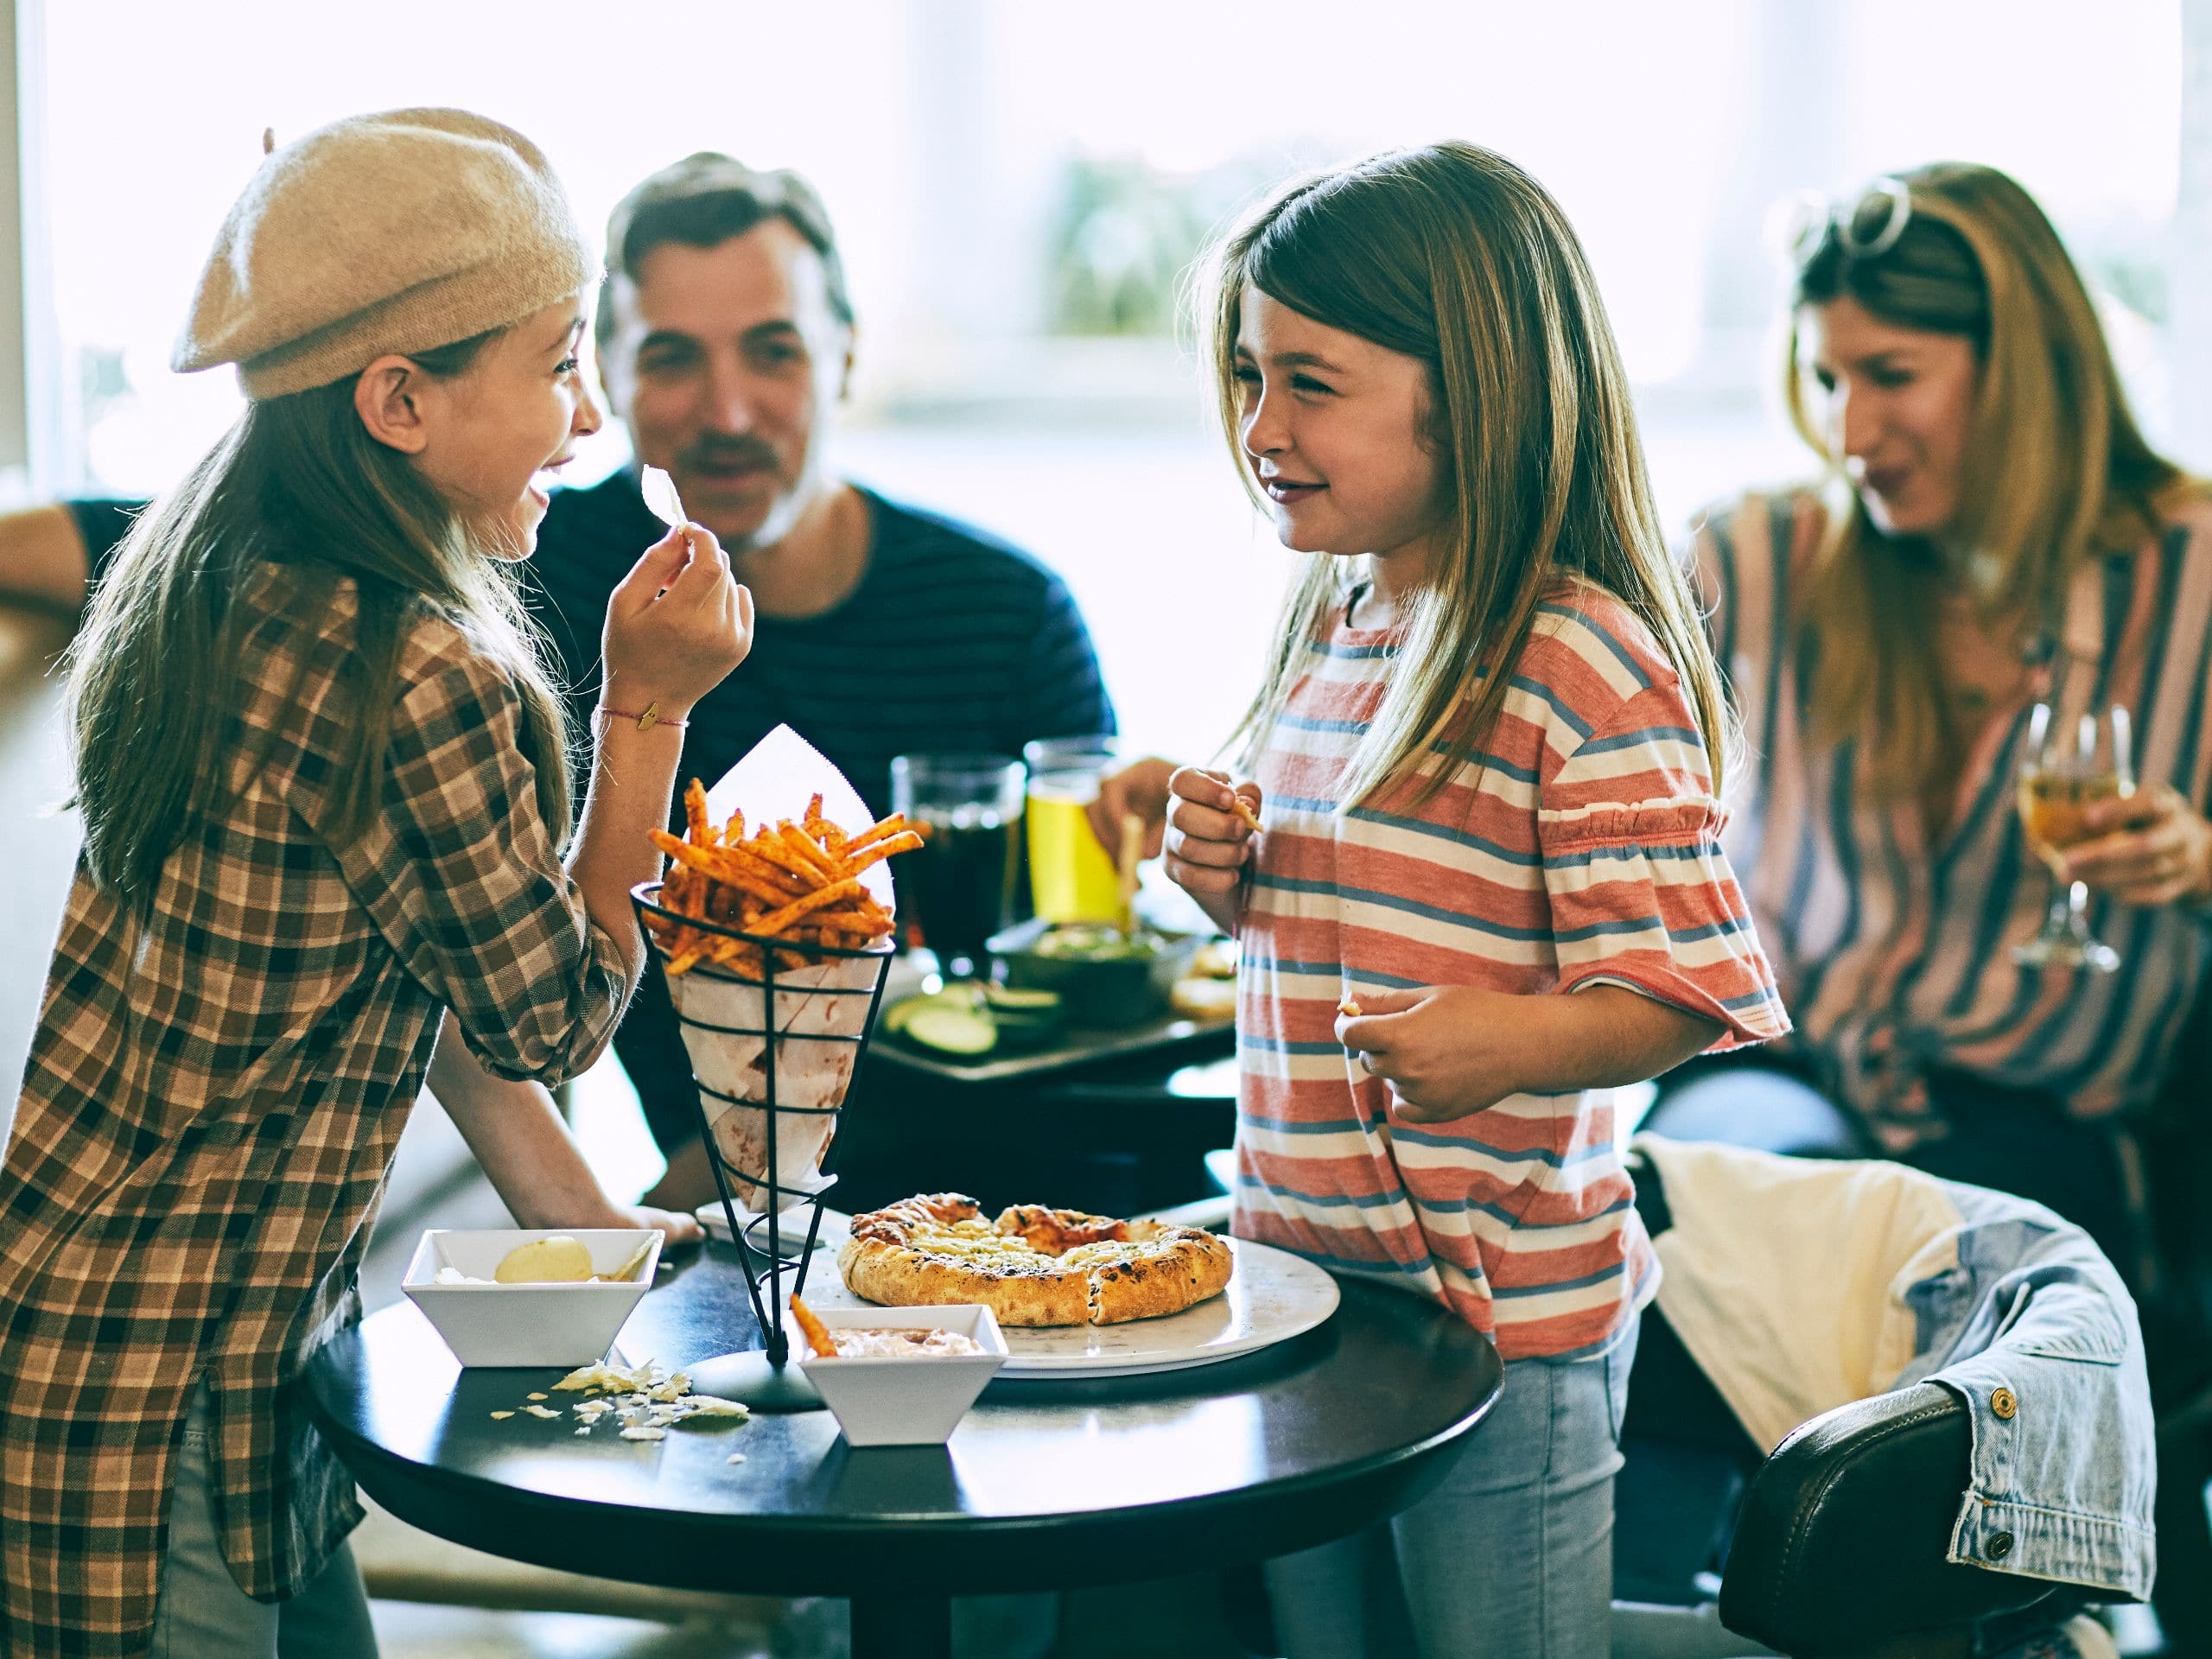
(973, 1242)
(1108, 1251)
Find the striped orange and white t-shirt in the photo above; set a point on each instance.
(1580, 846)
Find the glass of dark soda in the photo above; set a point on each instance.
(961, 884)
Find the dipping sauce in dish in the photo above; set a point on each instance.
(869, 1343)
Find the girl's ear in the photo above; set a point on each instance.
(388, 398)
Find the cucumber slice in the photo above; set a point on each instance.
(895, 1015)
(898, 1015)
(1008, 998)
(951, 1031)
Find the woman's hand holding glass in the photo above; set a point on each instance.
(2150, 848)
(1208, 844)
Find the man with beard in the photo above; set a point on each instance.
(726, 340)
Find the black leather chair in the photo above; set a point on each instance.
(1837, 1543)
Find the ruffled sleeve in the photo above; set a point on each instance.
(1641, 894)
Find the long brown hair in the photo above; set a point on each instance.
(1453, 255)
(297, 481)
(2057, 470)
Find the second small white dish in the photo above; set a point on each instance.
(905, 1400)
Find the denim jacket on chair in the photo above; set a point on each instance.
(1799, 1285)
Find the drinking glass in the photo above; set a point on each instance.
(1071, 873)
(2070, 765)
(962, 880)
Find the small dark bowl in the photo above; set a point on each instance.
(1098, 991)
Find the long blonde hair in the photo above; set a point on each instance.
(298, 481)
(2056, 469)
(1453, 255)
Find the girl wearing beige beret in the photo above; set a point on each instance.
(326, 813)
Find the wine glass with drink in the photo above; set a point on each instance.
(962, 881)
(2070, 766)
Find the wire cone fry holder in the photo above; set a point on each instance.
(774, 1057)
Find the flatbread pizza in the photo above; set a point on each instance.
(1031, 1266)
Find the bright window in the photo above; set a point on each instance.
(1018, 186)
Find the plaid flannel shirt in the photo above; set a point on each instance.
(214, 1094)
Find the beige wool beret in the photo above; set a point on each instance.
(380, 233)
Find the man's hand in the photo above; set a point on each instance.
(2151, 848)
(1140, 787)
(1445, 1052)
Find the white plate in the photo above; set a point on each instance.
(1272, 1297)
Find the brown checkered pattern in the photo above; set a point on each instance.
(213, 1098)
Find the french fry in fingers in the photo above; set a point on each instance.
(1242, 809)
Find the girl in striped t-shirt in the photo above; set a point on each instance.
(1487, 750)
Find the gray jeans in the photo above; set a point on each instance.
(1510, 1558)
(202, 1613)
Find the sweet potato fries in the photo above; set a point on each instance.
(797, 882)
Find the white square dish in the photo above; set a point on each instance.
(527, 1324)
(905, 1400)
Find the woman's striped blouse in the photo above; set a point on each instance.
(1895, 954)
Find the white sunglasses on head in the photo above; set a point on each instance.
(1865, 227)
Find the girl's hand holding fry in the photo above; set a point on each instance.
(675, 626)
(1208, 840)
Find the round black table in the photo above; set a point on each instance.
(1045, 1483)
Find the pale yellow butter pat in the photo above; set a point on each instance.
(559, 1260)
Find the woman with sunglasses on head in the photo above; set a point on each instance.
(1995, 535)
(1996, 556)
